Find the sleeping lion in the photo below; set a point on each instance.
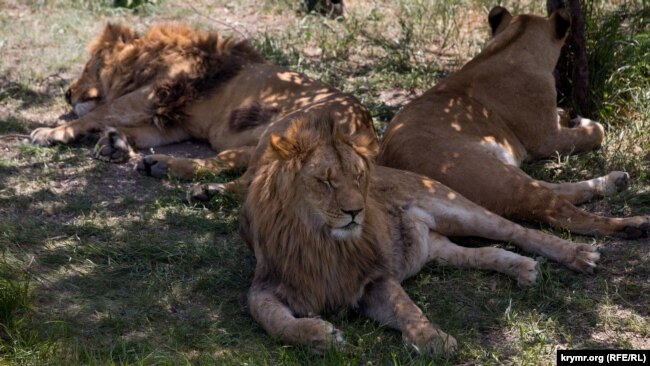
(330, 229)
(473, 130)
(173, 84)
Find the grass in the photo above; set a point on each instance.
(99, 265)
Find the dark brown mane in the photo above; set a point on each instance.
(216, 60)
(198, 62)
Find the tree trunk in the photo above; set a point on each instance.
(572, 70)
(332, 8)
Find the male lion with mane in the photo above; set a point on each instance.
(173, 84)
(473, 130)
(329, 228)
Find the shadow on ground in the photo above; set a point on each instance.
(122, 268)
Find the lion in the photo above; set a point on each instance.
(174, 84)
(473, 130)
(328, 229)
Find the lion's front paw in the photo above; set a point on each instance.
(45, 136)
(113, 147)
(427, 339)
(153, 165)
(527, 272)
(204, 191)
(584, 258)
(318, 334)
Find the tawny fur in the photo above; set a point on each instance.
(173, 84)
(473, 130)
(178, 61)
(330, 229)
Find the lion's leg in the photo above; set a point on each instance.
(114, 145)
(160, 165)
(519, 267)
(278, 321)
(579, 192)
(143, 137)
(585, 135)
(464, 218)
(559, 212)
(530, 200)
(128, 110)
(508, 191)
(386, 302)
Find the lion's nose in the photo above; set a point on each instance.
(352, 213)
(68, 96)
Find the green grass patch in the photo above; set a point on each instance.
(20, 340)
(619, 48)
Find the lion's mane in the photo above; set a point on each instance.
(132, 61)
(312, 270)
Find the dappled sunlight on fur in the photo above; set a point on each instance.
(473, 130)
(173, 83)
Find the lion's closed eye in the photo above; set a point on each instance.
(325, 181)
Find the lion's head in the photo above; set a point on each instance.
(89, 90)
(179, 63)
(327, 172)
(522, 31)
(310, 217)
(555, 27)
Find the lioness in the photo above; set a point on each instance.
(173, 83)
(472, 131)
(330, 229)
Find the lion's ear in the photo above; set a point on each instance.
(498, 18)
(562, 20)
(114, 33)
(282, 146)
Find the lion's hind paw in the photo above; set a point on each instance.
(584, 259)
